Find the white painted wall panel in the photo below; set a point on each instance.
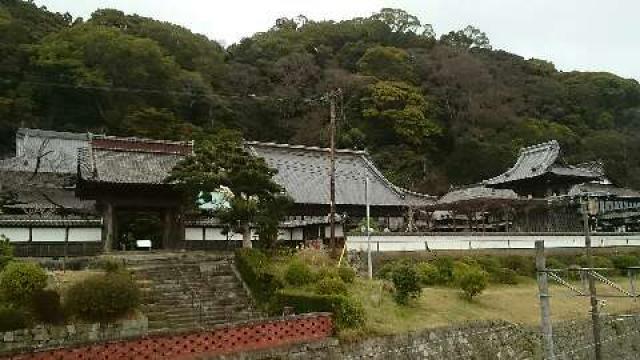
(214, 234)
(327, 231)
(284, 235)
(193, 234)
(15, 234)
(85, 234)
(486, 241)
(48, 234)
(297, 234)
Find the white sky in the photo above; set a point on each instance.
(589, 35)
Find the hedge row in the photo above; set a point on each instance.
(348, 312)
(253, 266)
(269, 291)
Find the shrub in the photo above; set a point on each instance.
(503, 276)
(406, 283)
(522, 265)
(598, 262)
(12, 319)
(298, 274)
(331, 286)
(427, 274)
(347, 311)
(471, 279)
(103, 297)
(328, 272)
(347, 274)
(111, 265)
(488, 263)
(47, 308)
(254, 268)
(555, 263)
(20, 281)
(445, 270)
(6, 252)
(622, 262)
(385, 271)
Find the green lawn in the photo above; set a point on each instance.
(443, 306)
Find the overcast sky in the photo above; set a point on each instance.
(590, 35)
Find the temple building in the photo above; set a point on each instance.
(539, 173)
(539, 193)
(73, 194)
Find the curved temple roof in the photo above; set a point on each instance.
(541, 159)
(303, 172)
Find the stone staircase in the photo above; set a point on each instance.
(185, 291)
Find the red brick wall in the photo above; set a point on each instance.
(222, 340)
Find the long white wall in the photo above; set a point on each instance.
(52, 234)
(418, 242)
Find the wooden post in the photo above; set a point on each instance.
(108, 227)
(167, 221)
(332, 172)
(545, 307)
(66, 248)
(595, 316)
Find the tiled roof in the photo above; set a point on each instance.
(42, 191)
(48, 221)
(304, 173)
(130, 160)
(533, 161)
(603, 190)
(57, 151)
(541, 159)
(476, 193)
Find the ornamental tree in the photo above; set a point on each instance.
(253, 197)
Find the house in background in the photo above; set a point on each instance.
(41, 210)
(112, 190)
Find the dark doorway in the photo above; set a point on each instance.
(138, 225)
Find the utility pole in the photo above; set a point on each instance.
(545, 308)
(332, 169)
(366, 197)
(595, 316)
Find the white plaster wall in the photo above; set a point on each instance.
(469, 242)
(215, 234)
(284, 234)
(297, 234)
(15, 234)
(48, 234)
(193, 234)
(327, 231)
(85, 234)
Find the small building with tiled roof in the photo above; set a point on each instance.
(539, 172)
(41, 212)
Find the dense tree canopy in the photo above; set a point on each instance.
(432, 110)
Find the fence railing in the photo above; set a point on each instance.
(386, 242)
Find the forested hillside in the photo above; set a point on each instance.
(433, 109)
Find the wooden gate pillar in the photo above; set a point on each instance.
(109, 227)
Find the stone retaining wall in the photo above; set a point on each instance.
(477, 341)
(51, 337)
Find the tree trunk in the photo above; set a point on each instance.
(246, 236)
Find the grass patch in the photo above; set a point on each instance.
(443, 306)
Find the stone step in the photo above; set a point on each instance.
(189, 292)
